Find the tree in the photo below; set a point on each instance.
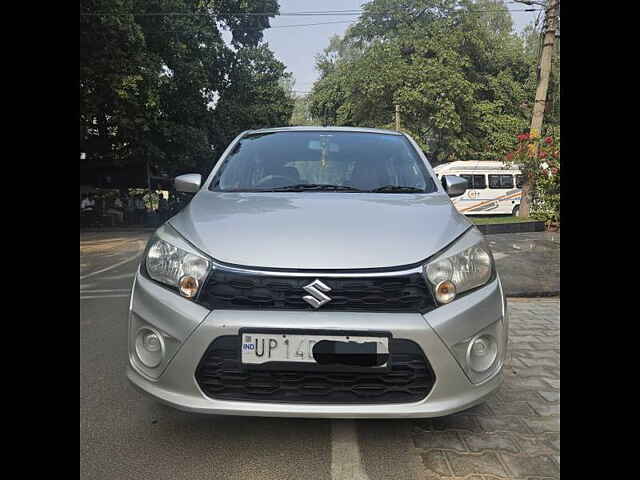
(154, 72)
(301, 114)
(254, 96)
(455, 69)
(112, 84)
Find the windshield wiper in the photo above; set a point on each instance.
(314, 186)
(397, 189)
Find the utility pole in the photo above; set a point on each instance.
(551, 16)
(397, 117)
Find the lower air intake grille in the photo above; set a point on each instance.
(221, 377)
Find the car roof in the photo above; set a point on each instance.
(326, 129)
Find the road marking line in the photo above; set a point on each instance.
(87, 297)
(106, 269)
(106, 291)
(346, 463)
(120, 277)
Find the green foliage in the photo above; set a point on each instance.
(462, 79)
(253, 96)
(301, 114)
(149, 83)
(539, 159)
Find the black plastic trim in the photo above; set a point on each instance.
(410, 378)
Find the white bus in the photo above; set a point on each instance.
(492, 187)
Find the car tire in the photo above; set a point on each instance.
(516, 211)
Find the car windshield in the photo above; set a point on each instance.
(352, 162)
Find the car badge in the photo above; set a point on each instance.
(317, 297)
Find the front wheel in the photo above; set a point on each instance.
(516, 211)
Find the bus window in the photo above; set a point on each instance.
(469, 180)
(519, 181)
(506, 181)
(500, 181)
(494, 181)
(479, 181)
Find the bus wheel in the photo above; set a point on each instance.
(516, 211)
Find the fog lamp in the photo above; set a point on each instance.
(482, 352)
(445, 291)
(188, 286)
(149, 347)
(151, 342)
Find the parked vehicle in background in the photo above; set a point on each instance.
(492, 187)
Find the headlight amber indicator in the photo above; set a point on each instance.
(445, 291)
(188, 286)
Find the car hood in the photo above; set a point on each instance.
(319, 230)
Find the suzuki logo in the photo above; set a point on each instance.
(317, 298)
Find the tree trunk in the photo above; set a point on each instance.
(541, 92)
(523, 210)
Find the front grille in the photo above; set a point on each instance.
(401, 293)
(409, 379)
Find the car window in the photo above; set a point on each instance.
(356, 161)
(519, 181)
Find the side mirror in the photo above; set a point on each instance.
(454, 185)
(188, 183)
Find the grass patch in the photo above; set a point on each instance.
(487, 220)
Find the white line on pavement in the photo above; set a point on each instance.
(87, 297)
(120, 277)
(126, 260)
(106, 291)
(346, 463)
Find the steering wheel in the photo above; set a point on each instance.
(276, 181)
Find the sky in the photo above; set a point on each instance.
(297, 47)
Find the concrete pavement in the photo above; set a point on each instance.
(528, 263)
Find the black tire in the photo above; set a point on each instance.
(516, 211)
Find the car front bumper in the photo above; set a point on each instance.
(189, 329)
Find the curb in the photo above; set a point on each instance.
(554, 293)
(521, 227)
(117, 230)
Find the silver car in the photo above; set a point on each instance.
(318, 272)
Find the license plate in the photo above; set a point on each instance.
(259, 348)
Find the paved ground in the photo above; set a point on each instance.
(516, 434)
(103, 250)
(528, 263)
(124, 435)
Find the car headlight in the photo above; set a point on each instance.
(174, 266)
(466, 265)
